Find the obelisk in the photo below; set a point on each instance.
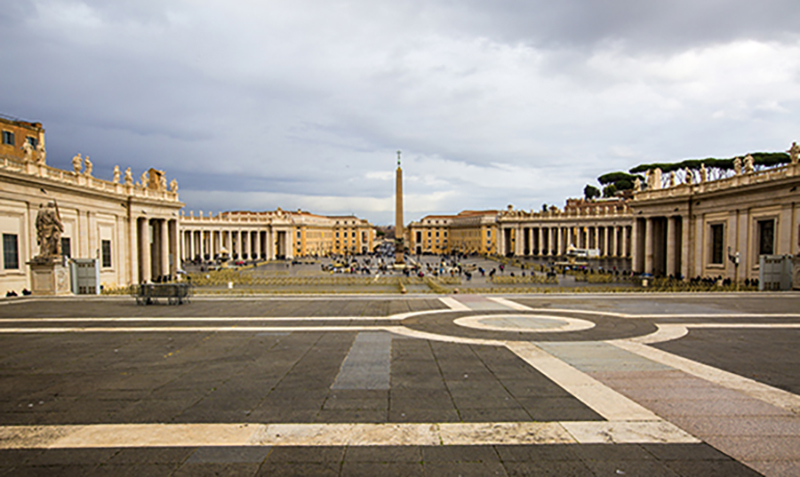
(399, 243)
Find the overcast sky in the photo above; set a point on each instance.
(253, 105)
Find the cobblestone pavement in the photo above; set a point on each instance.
(457, 385)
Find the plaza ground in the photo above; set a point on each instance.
(624, 384)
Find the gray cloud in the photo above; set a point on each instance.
(304, 104)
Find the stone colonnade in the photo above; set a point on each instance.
(661, 246)
(156, 246)
(540, 237)
(205, 240)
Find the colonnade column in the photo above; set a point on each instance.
(163, 248)
(685, 247)
(672, 244)
(557, 241)
(648, 245)
(173, 244)
(144, 250)
(541, 242)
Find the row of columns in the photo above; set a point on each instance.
(157, 249)
(661, 246)
(612, 240)
(207, 243)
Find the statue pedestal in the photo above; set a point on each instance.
(49, 277)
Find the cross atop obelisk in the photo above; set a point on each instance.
(399, 243)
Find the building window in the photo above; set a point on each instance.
(717, 243)
(429, 233)
(105, 245)
(33, 141)
(66, 247)
(488, 234)
(8, 138)
(10, 252)
(766, 237)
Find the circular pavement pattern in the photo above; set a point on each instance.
(524, 323)
(534, 325)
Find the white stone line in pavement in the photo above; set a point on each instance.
(454, 304)
(599, 397)
(742, 325)
(171, 329)
(424, 335)
(347, 434)
(664, 332)
(669, 331)
(507, 323)
(201, 319)
(776, 397)
(509, 304)
(628, 432)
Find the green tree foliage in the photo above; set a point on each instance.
(609, 190)
(615, 177)
(760, 160)
(590, 192)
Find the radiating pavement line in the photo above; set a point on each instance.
(346, 434)
(454, 304)
(599, 397)
(776, 397)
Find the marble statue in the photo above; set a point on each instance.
(76, 163)
(637, 185)
(748, 164)
(654, 179)
(48, 231)
(794, 152)
(27, 148)
(128, 177)
(162, 182)
(116, 175)
(737, 165)
(89, 166)
(144, 179)
(688, 176)
(173, 186)
(672, 179)
(703, 173)
(41, 154)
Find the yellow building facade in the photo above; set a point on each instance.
(272, 235)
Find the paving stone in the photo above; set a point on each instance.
(384, 454)
(527, 453)
(729, 468)
(459, 454)
(464, 469)
(371, 469)
(67, 470)
(224, 455)
(318, 454)
(548, 469)
(304, 469)
(228, 469)
(134, 470)
(150, 455)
